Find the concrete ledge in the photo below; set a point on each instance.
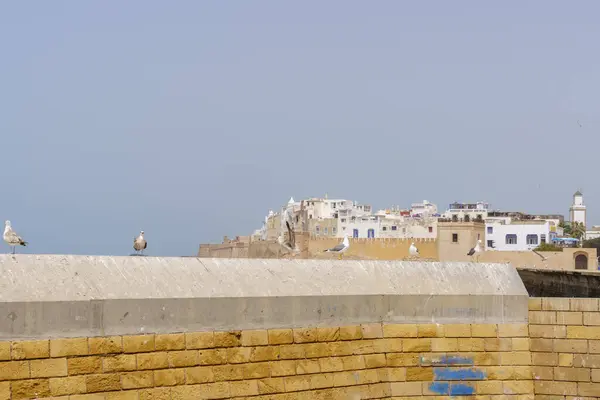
(559, 283)
(68, 296)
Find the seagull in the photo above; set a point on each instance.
(340, 248)
(11, 237)
(579, 123)
(413, 251)
(290, 243)
(475, 250)
(544, 258)
(139, 243)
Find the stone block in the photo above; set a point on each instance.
(136, 380)
(570, 346)
(390, 345)
(328, 334)
(555, 388)
(84, 365)
(243, 388)
(105, 345)
(257, 370)
(406, 388)
(68, 347)
(419, 374)
(30, 349)
(400, 330)
(138, 343)
(591, 318)
(457, 330)
(282, 368)
(102, 382)
(30, 389)
(569, 318)
(221, 373)
(156, 394)
(535, 303)
(310, 366)
(280, 336)
(67, 385)
(169, 377)
(46, 368)
(305, 335)
(199, 340)
(228, 339)
(172, 341)
(556, 304)
(372, 331)
(264, 353)
(583, 332)
(513, 330)
(271, 386)
(351, 332)
(124, 395)
(584, 305)
(444, 344)
(484, 330)
(331, 364)
(238, 355)
(257, 337)
(489, 387)
(375, 360)
(119, 362)
(430, 330)
(296, 383)
(187, 358)
(154, 360)
(5, 391)
(572, 374)
(517, 387)
(416, 345)
(588, 389)
(565, 360)
(212, 357)
(542, 317)
(10, 370)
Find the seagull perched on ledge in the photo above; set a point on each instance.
(413, 251)
(475, 250)
(340, 248)
(139, 243)
(11, 237)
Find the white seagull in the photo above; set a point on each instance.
(475, 250)
(11, 237)
(340, 248)
(413, 251)
(139, 243)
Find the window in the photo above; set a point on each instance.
(384, 228)
(543, 238)
(455, 238)
(430, 229)
(490, 244)
(325, 230)
(343, 219)
(455, 218)
(355, 233)
(490, 230)
(581, 261)
(317, 228)
(532, 239)
(334, 230)
(333, 205)
(467, 218)
(511, 239)
(394, 227)
(371, 233)
(479, 218)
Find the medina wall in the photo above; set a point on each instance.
(554, 260)
(374, 249)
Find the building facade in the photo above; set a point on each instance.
(518, 235)
(577, 211)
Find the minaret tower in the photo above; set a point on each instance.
(577, 211)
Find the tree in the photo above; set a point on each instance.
(548, 247)
(573, 229)
(592, 243)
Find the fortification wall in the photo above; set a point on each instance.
(185, 328)
(565, 347)
(375, 249)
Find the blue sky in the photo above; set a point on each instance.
(191, 119)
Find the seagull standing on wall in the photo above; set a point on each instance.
(340, 248)
(475, 251)
(413, 251)
(11, 237)
(139, 243)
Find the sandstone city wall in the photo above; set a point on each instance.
(88, 328)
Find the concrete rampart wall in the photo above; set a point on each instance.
(182, 328)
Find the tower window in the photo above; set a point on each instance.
(455, 238)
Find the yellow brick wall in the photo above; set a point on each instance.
(372, 361)
(565, 348)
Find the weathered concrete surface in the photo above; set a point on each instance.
(544, 283)
(63, 295)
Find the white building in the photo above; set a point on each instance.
(467, 211)
(577, 211)
(518, 235)
(592, 233)
(424, 208)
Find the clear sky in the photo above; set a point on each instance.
(190, 119)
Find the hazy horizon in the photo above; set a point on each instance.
(190, 120)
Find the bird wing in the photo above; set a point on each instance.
(145, 244)
(471, 252)
(339, 247)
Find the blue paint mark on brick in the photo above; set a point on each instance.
(446, 360)
(461, 389)
(455, 374)
(452, 389)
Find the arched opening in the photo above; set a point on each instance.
(467, 218)
(455, 218)
(581, 261)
